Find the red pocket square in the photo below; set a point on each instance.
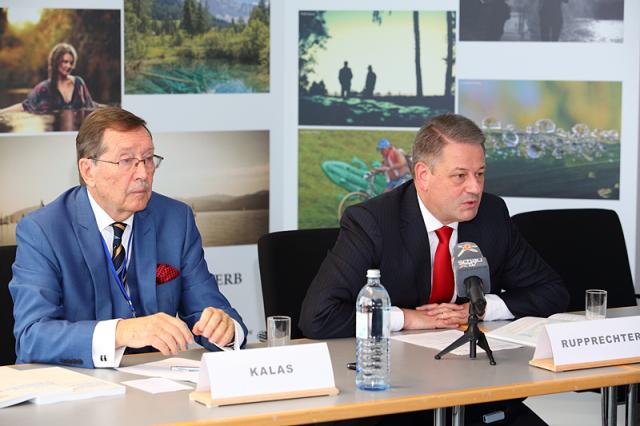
(165, 273)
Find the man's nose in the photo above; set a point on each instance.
(475, 185)
(140, 171)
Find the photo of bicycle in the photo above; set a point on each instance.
(340, 168)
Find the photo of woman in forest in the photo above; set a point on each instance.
(61, 90)
(57, 66)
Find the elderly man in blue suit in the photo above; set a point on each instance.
(108, 265)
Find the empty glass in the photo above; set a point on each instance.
(595, 304)
(278, 330)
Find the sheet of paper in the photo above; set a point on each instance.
(16, 388)
(442, 339)
(79, 385)
(157, 385)
(526, 330)
(171, 368)
(52, 384)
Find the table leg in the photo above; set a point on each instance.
(610, 406)
(457, 415)
(604, 398)
(439, 417)
(632, 405)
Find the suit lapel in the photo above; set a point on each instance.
(89, 240)
(469, 232)
(144, 256)
(414, 236)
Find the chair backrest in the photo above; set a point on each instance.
(586, 247)
(289, 260)
(7, 341)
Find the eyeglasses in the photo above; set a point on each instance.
(151, 163)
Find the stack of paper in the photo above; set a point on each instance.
(525, 331)
(51, 384)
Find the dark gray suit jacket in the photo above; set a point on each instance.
(388, 233)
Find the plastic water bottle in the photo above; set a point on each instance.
(372, 335)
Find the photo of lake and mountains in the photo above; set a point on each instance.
(196, 46)
(222, 176)
(345, 80)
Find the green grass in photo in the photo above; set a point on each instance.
(318, 196)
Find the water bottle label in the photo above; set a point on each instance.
(363, 325)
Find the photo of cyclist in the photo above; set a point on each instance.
(394, 164)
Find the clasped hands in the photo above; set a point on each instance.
(171, 335)
(436, 315)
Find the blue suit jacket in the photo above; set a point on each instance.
(61, 284)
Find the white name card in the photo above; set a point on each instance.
(265, 374)
(583, 344)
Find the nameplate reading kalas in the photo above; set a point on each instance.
(265, 374)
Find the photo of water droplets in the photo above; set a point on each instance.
(546, 138)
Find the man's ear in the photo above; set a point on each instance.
(422, 175)
(86, 167)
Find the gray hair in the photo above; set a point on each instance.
(440, 130)
(89, 140)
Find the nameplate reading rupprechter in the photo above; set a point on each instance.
(584, 344)
(265, 374)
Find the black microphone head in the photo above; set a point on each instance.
(467, 261)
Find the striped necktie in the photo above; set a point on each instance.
(118, 256)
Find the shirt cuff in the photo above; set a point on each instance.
(496, 309)
(239, 337)
(103, 345)
(396, 318)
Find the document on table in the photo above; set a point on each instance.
(51, 384)
(525, 331)
(170, 368)
(442, 339)
(157, 385)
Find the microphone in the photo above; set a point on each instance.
(471, 274)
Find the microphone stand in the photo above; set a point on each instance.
(473, 335)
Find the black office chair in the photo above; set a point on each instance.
(289, 260)
(8, 345)
(586, 247)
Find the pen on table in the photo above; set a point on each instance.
(351, 365)
(185, 368)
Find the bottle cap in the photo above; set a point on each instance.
(373, 273)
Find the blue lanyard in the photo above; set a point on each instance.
(115, 274)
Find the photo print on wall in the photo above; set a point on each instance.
(346, 80)
(338, 168)
(196, 46)
(554, 139)
(586, 21)
(56, 66)
(225, 181)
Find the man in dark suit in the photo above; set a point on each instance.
(405, 231)
(107, 265)
(397, 233)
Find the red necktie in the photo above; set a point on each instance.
(442, 286)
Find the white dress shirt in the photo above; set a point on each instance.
(496, 308)
(103, 347)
